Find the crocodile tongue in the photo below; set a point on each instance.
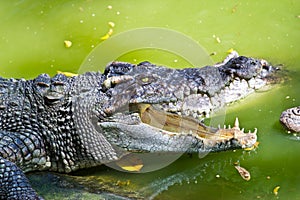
(177, 124)
(172, 122)
(146, 128)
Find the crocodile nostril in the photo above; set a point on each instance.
(296, 111)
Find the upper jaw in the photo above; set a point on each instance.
(246, 68)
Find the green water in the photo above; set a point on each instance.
(32, 35)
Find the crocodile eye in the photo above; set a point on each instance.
(58, 87)
(42, 83)
(58, 83)
(144, 80)
(42, 78)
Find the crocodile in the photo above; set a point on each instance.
(63, 124)
(290, 118)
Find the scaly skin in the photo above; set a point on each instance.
(63, 124)
(290, 118)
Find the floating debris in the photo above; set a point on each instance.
(107, 35)
(213, 53)
(68, 43)
(255, 145)
(233, 10)
(217, 38)
(111, 24)
(109, 7)
(123, 183)
(110, 31)
(230, 50)
(275, 190)
(243, 172)
(130, 163)
(68, 74)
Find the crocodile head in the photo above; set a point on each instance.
(156, 109)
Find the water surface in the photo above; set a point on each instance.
(32, 35)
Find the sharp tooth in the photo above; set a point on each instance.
(249, 131)
(236, 123)
(255, 131)
(229, 127)
(224, 126)
(219, 127)
(243, 130)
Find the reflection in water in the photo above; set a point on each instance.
(204, 171)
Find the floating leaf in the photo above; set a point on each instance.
(111, 24)
(105, 37)
(68, 74)
(230, 50)
(68, 43)
(253, 147)
(275, 190)
(110, 31)
(243, 172)
(130, 163)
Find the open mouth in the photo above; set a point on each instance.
(178, 124)
(165, 105)
(146, 129)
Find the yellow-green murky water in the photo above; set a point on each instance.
(32, 35)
